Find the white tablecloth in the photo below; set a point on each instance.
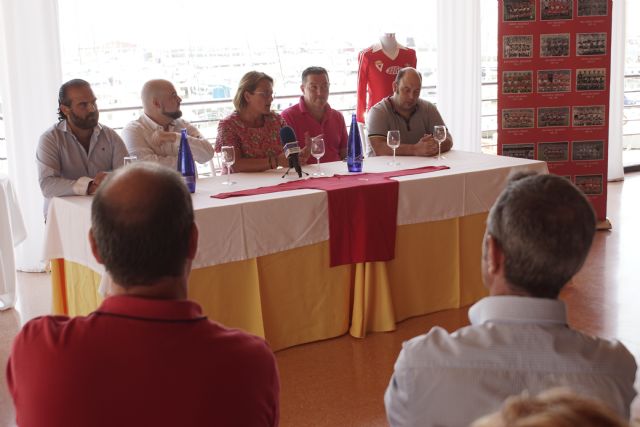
(12, 233)
(240, 228)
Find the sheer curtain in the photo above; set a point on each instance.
(30, 75)
(459, 71)
(616, 91)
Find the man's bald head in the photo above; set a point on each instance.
(161, 101)
(406, 89)
(142, 218)
(409, 73)
(153, 89)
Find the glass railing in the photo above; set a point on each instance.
(631, 117)
(207, 113)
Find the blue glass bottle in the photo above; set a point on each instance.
(186, 166)
(354, 147)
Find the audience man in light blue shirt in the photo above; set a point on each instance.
(539, 233)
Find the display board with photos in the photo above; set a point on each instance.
(553, 88)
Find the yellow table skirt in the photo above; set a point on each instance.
(292, 297)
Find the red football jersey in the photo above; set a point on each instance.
(376, 73)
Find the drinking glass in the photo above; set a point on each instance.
(317, 151)
(228, 159)
(440, 134)
(393, 141)
(127, 160)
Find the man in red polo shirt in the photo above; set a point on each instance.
(147, 356)
(313, 116)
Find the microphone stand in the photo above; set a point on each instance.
(300, 176)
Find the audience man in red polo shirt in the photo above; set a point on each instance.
(313, 116)
(147, 356)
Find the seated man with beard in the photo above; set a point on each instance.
(75, 154)
(155, 135)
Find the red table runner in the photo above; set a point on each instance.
(363, 212)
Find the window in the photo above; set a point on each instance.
(204, 48)
(489, 63)
(631, 116)
(3, 144)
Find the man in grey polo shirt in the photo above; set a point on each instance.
(75, 154)
(412, 116)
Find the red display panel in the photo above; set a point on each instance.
(554, 61)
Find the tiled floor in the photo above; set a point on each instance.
(340, 382)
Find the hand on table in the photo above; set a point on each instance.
(427, 146)
(95, 183)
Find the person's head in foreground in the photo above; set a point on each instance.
(143, 230)
(553, 408)
(538, 235)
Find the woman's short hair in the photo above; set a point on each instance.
(248, 83)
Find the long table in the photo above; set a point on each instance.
(263, 260)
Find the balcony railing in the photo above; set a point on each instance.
(117, 117)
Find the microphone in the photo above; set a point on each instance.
(291, 148)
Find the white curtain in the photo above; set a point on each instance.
(30, 76)
(616, 91)
(459, 71)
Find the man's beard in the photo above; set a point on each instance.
(173, 114)
(89, 122)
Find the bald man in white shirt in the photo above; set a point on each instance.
(538, 235)
(155, 135)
